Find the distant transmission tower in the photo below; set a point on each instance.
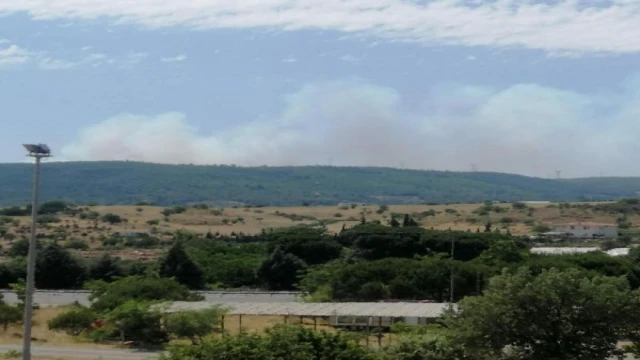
(558, 172)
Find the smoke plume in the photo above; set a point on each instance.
(526, 128)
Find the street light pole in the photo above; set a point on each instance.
(452, 279)
(38, 152)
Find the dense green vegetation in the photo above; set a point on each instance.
(128, 183)
(555, 315)
(536, 306)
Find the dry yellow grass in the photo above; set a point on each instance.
(250, 220)
(41, 333)
(43, 336)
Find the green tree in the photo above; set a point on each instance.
(138, 322)
(193, 325)
(74, 321)
(52, 207)
(177, 264)
(9, 315)
(408, 221)
(108, 296)
(555, 315)
(107, 268)
(20, 289)
(56, 268)
(20, 247)
(111, 218)
(280, 271)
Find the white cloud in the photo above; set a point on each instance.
(130, 60)
(13, 55)
(55, 64)
(525, 128)
(178, 58)
(472, 58)
(4, 41)
(569, 26)
(350, 58)
(290, 59)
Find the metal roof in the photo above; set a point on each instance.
(563, 250)
(619, 251)
(577, 250)
(587, 223)
(397, 309)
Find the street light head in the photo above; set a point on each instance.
(38, 150)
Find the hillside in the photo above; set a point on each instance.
(129, 182)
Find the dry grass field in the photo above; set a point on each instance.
(252, 220)
(43, 336)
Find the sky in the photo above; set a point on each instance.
(518, 86)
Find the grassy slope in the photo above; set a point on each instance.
(129, 182)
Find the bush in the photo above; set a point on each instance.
(111, 218)
(541, 228)
(519, 206)
(280, 342)
(74, 321)
(382, 209)
(9, 315)
(193, 325)
(52, 207)
(103, 334)
(138, 322)
(108, 296)
(77, 245)
(48, 219)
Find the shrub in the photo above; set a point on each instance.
(519, 206)
(48, 219)
(541, 228)
(193, 325)
(111, 218)
(9, 315)
(137, 321)
(382, 209)
(76, 244)
(74, 321)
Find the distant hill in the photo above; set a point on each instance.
(113, 183)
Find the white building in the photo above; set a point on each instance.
(587, 230)
(578, 250)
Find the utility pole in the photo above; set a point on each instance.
(38, 152)
(453, 244)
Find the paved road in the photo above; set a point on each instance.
(84, 353)
(58, 298)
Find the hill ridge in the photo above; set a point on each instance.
(127, 182)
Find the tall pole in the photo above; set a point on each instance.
(31, 267)
(453, 244)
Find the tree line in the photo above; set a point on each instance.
(521, 315)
